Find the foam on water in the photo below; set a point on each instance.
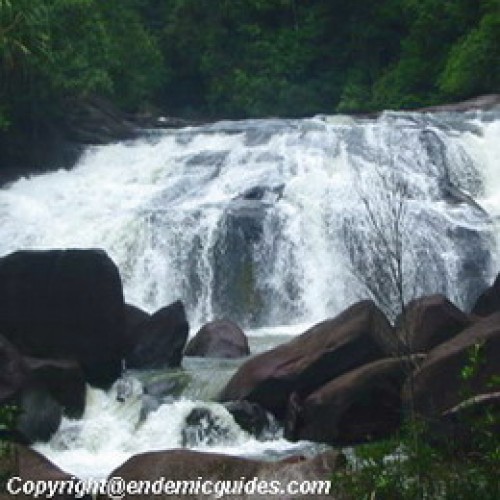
(111, 431)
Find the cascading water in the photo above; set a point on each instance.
(271, 223)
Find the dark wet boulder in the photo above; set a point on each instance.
(359, 406)
(40, 414)
(62, 379)
(489, 301)
(94, 120)
(251, 417)
(219, 339)
(13, 370)
(159, 342)
(263, 193)
(237, 295)
(52, 389)
(32, 467)
(65, 304)
(440, 384)
(134, 317)
(167, 384)
(42, 390)
(204, 427)
(324, 352)
(177, 465)
(428, 322)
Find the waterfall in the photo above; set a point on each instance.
(248, 219)
(274, 224)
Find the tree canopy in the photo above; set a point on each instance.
(244, 58)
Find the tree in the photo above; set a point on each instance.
(383, 260)
(472, 66)
(375, 241)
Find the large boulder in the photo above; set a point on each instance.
(36, 471)
(62, 379)
(158, 342)
(362, 405)
(439, 384)
(252, 418)
(322, 353)
(219, 339)
(185, 466)
(39, 417)
(204, 427)
(134, 318)
(42, 390)
(428, 322)
(489, 301)
(51, 390)
(65, 304)
(13, 370)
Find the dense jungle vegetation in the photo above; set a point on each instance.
(243, 58)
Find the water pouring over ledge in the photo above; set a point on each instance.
(247, 219)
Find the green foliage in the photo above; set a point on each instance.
(135, 67)
(80, 49)
(396, 469)
(243, 58)
(23, 36)
(472, 66)
(420, 463)
(475, 361)
(53, 49)
(8, 417)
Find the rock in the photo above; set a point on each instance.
(134, 317)
(32, 467)
(65, 304)
(63, 380)
(324, 352)
(252, 418)
(439, 385)
(43, 390)
(359, 406)
(219, 339)
(185, 465)
(13, 370)
(149, 404)
(167, 384)
(204, 427)
(40, 415)
(428, 322)
(159, 341)
(59, 141)
(94, 120)
(53, 388)
(489, 301)
(263, 193)
(237, 295)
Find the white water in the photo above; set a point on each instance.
(111, 431)
(174, 212)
